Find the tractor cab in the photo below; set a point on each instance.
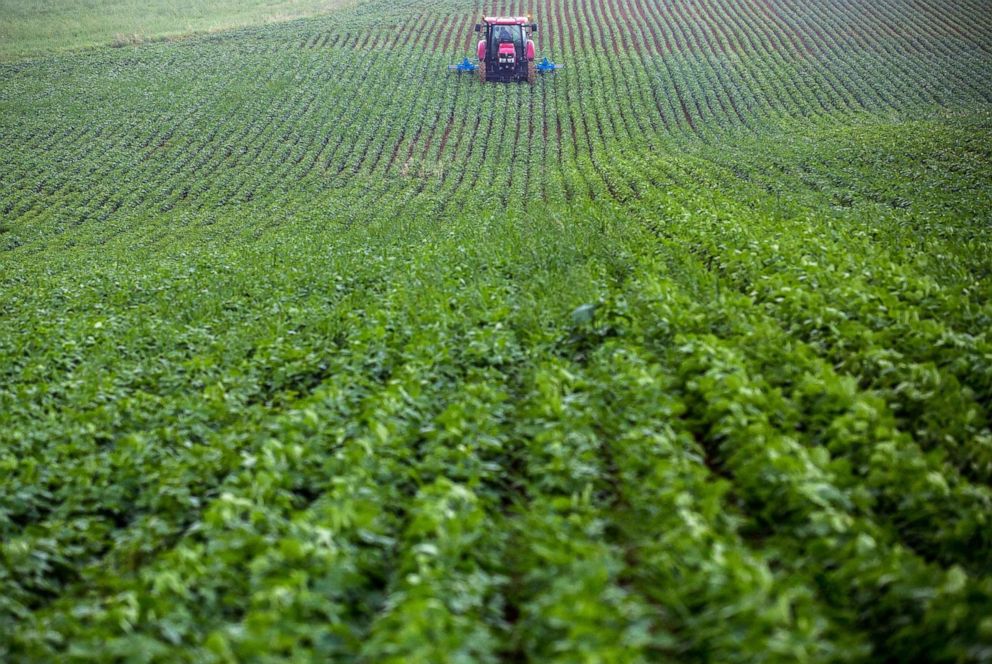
(505, 39)
(505, 52)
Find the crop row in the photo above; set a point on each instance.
(648, 74)
(685, 473)
(682, 354)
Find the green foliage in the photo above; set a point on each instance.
(310, 351)
(33, 28)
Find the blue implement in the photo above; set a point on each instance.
(545, 66)
(463, 67)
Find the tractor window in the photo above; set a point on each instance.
(502, 34)
(509, 33)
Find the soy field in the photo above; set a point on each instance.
(313, 350)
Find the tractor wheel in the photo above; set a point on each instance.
(531, 72)
(482, 71)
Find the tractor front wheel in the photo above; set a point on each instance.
(531, 72)
(482, 71)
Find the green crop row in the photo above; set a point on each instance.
(312, 350)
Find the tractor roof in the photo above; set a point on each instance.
(506, 20)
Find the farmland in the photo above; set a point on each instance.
(311, 350)
(39, 27)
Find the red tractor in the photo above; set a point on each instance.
(506, 54)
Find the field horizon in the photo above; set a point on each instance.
(311, 349)
(34, 29)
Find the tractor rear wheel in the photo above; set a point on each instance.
(482, 71)
(531, 72)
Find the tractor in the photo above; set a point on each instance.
(506, 54)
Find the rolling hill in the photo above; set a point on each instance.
(311, 350)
